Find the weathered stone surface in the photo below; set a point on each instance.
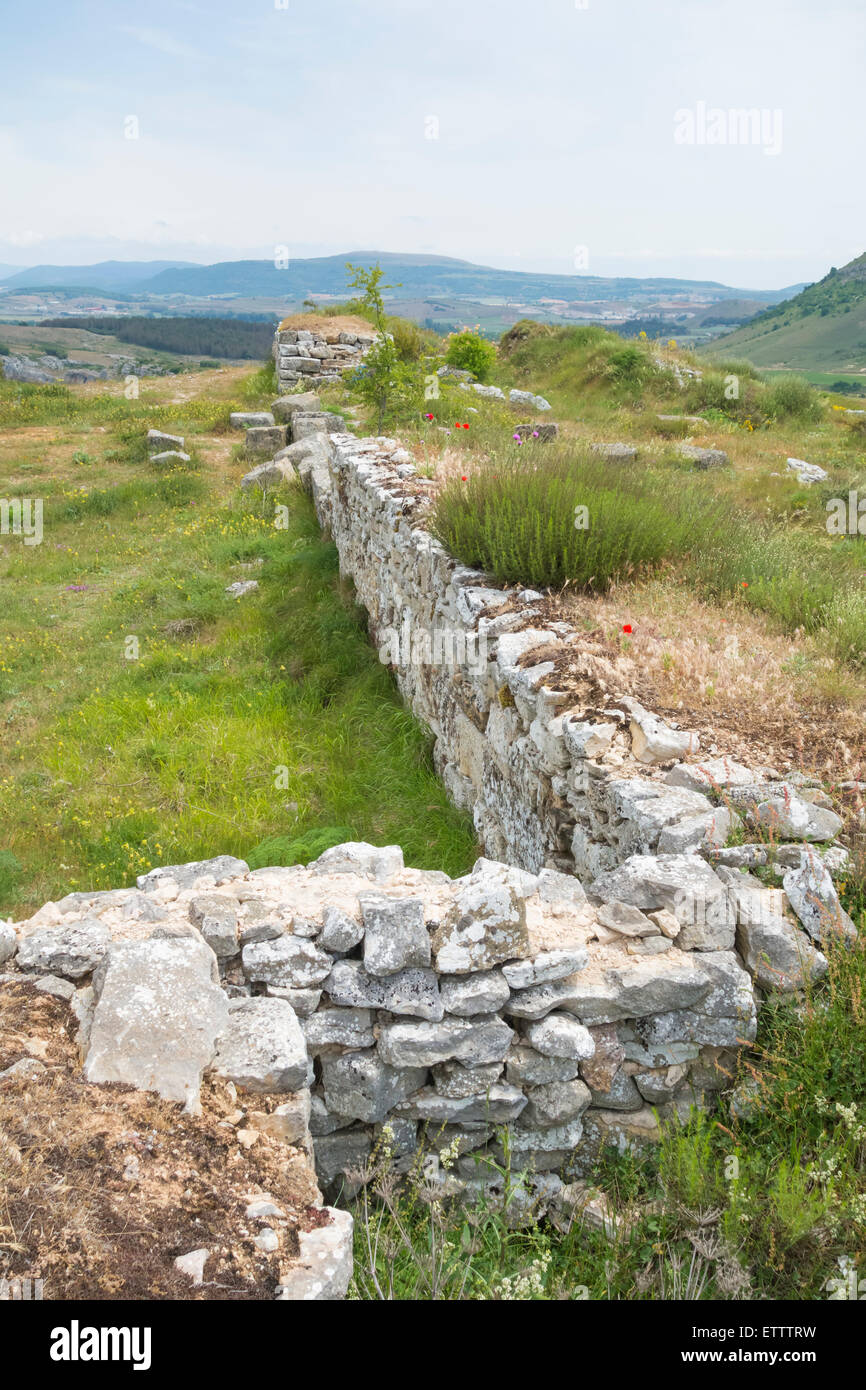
(414, 992)
(157, 1017)
(323, 1269)
(289, 1122)
(157, 442)
(467, 995)
(341, 1154)
(659, 1084)
(704, 832)
(289, 960)
(340, 932)
(587, 740)
(710, 774)
(244, 419)
(807, 473)
(424, 1044)
(71, 951)
(526, 1067)
(556, 1102)
(364, 1086)
(654, 741)
(262, 1047)
(778, 955)
(786, 813)
(217, 920)
(545, 967)
(599, 1070)
(813, 897)
(455, 1081)
(357, 857)
(684, 1025)
(620, 1094)
(539, 1000)
(303, 1001)
(535, 1140)
(222, 869)
(284, 407)
(336, 1028)
(625, 919)
(265, 439)
(683, 884)
(395, 935)
(487, 925)
(271, 473)
(703, 458)
(499, 1104)
(241, 587)
(169, 457)
(559, 1035)
(621, 453)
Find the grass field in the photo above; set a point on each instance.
(237, 721)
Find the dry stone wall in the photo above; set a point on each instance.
(357, 1005)
(304, 356)
(550, 780)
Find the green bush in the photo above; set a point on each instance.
(408, 339)
(791, 397)
(523, 526)
(471, 353)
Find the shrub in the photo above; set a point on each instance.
(523, 526)
(408, 339)
(791, 397)
(472, 354)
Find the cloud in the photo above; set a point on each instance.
(162, 42)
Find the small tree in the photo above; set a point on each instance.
(390, 385)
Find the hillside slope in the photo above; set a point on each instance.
(821, 329)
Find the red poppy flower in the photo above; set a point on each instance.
(626, 627)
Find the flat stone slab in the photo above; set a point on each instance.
(246, 419)
(157, 1017)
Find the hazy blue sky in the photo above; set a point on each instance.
(308, 126)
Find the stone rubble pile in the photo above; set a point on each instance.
(357, 1005)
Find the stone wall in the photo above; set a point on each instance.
(360, 1005)
(304, 356)
(552, 778)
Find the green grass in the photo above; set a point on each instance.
(237, 721)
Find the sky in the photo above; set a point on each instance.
(576, 136)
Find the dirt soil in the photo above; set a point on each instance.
(102, 1187)
(328, 328)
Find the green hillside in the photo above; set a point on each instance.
(821, 329)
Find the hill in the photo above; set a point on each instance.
(425, 275)
(821, 329)
(105, 275)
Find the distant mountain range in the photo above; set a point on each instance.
(419, 277)
(821, 329)
(106, 275)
